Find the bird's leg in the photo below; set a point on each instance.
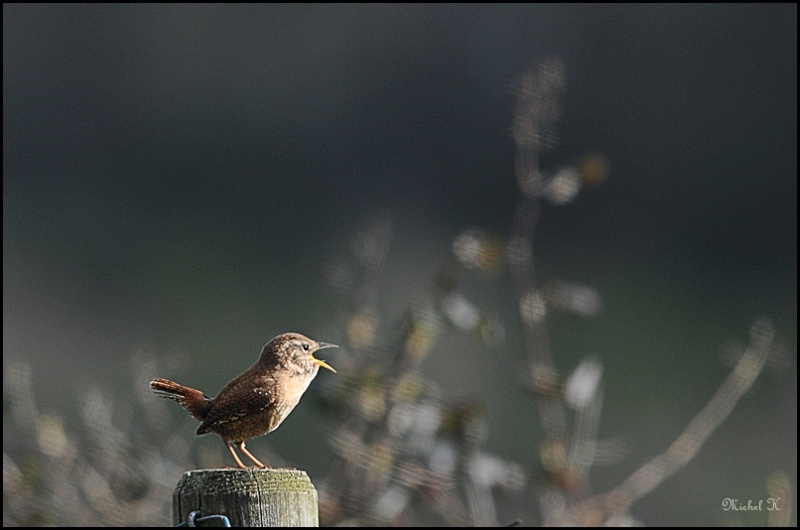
(240, 446)
(230, 445)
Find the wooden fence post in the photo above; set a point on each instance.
(248, 497)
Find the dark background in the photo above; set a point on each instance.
(176, 177)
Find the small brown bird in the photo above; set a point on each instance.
(256, 402)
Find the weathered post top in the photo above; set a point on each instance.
(248, 497)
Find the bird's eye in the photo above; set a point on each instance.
(305, 346)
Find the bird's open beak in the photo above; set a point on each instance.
(318, 362)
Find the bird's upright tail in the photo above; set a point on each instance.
(194, 401)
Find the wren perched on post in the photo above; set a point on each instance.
(256, 402)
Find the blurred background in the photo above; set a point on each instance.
(177, 179)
